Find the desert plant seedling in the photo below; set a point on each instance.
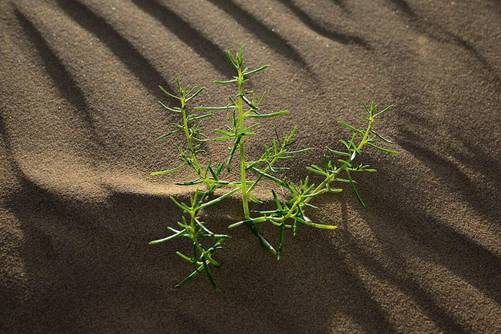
(213, 181)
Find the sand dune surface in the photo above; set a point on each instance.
(79, 122)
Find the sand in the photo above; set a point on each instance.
(79, 120)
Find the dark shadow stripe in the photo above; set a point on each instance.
(204, 47)
(319, 29)
(121, 47)
(465, 257)
(341, 4)
(61, 77)
(479, 198)
(404, 282)
(404, 7)
(427, 28)
(273, 40)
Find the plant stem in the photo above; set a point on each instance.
(241, 144)
(189, 139)
(329, 179)
(366, 134)
(322, 187)
(196, 245)
(266, 169)
(185, 123)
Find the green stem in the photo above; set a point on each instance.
(241, 127)
(363, 142)
(243, 170)
(266, 169)
(321, 188)
(189, 141)
(196, 244)
(329, 179)
(185, 124)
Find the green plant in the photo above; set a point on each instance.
(288, 212)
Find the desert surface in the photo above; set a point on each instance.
(79, 122)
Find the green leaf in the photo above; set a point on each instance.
(190, 277)
(364, 169)
(209, 276)
(166, 171)
(256, 70)
(254, 199)
(281, 241)
(350, 127)
(200, 90)
(262, 240)
(225, 82)
(381, 137)
(315, 194)
(219, 199)
(219, 168)
(167, 135)
(239, 57)
(369, 108)
(230, 58)
(224, 108)
(189, 183)
(197, 118)
(170, 237)
(317, 170)
(222, 138)
(239, 223)
(306, 221)
(388, 108)
(221, 236)
(182, 206)
(270, 177)
(338, 179)
(176, 110)
(232, 152)
(307, 149)
(346, 164)
(344, 154)
(168, 94)
(382, 149)
(355, 190)
(348, 145)
(278, 204)
(311, 205)
(186, 258)
(273, 114)
(202, 226)
(215, 176)
(224, 133)
(179, 87)
(248, 102)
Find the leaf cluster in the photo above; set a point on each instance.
(214, 183)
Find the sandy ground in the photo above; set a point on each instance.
(79, 120)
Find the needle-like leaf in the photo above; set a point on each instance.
(170, 237)
(273, 114)
(166, 171)
(168, 94)
(175, 110)
(198, 92)
(219, 199)
(256, 70)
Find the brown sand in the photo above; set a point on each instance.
(78, 122)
